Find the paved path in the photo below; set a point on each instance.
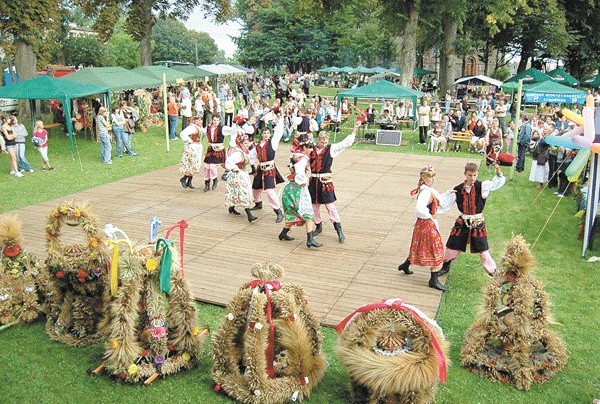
(377, 216)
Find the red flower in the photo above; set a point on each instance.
(171, 347)
(18, 290)
(145, 352)
(82, 275)
(60, 274)
(217, 387)
(122, 376)
(12, 251)
(511, 277)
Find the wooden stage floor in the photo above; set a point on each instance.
(377, 217)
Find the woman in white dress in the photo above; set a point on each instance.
(238, 188)
(191, 158)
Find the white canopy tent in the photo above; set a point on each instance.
(478, 78)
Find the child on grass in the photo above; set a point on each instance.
(40, 140)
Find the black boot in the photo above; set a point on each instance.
(310, 240)
(189, 182)
(279, 215)
(232, 211)
(405, 266)
(257, 206)
(434, 283)
(318, 229)
(284, 235)
(338, 227)
(249, 214)
(183, 181)
(215, 182)
(224, 176)
(206, 185)
(445, 268)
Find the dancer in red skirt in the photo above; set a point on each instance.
(427, 247)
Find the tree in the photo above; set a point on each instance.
(583, 17)
(173, 41)
(142, 15)
(123, 51)
(85, 50)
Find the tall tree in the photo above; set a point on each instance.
(583, 17)
(142, 15)
(173, 41)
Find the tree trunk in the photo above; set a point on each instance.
(407, 46)
(448, 55)
(523, 62)
(146, 49)
(26, 65)
(486, 58)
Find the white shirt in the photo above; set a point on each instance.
(186, 107)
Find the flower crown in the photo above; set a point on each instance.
(427, 169)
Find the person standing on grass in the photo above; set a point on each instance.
(10, 144)
(21, 132)
(173, 116)
(469, 228)
(103, 126)
(523, 141)
(191, 158)
(118, 128)
(40, 139)
(321, 187)
(427, 247)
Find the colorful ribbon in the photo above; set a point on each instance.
(113, 270)
(165, 264)
(268, 286)
(398, 304)
(182, 224)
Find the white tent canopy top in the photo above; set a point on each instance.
(222, 69)
(480, 77)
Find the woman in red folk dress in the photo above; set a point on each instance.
(427, 247)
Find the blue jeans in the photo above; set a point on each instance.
(127, 143)
(172, 126)
(119, 133)
(22, 162)
(105, 148)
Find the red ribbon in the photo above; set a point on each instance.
(270, 351)
(398, 304)
(182, 224)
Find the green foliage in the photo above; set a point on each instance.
(173, 41)
(86, 50)
(123, 51)
(502, 74)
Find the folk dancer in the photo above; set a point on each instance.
(427, 247)
(191, 158)
(321, 184)
(469, 227)
(238, 190)
(267, 176)
(215, 153)
(297, 205)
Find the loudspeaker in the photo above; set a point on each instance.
(389, 137)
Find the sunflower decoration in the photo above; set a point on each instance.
(23, 279)
(78, 273)
(269, 346)
(510, 341)
(393, 353)
(151, 327)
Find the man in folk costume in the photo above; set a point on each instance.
(321, 184)
(469, 227)
(267, 176)
(427, 247)
(215, 153)
(191, 158)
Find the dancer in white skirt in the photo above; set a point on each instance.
(238, 188)
(191, 158)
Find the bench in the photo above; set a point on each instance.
(462, 136)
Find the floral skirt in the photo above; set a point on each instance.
(191, 159)
(238, 189)
(427, 247)
(297, 205)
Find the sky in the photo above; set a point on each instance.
(221, 33)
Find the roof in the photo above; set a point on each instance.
(553, 92)
(247, 70)
(48, 87)
(563, 77)
(197, 72)
(222, 69)
(116, 78)
(480, 78)
(531, 75)
(381, 89)
(595, 83)
(156, 72)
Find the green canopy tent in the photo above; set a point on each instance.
(115, 78)
(595, 83)
(383, 90)
(156, 72)
(562, 77)
(422, 72)
(554, 93)
(529, 76)
(197, 72)
(48, 88)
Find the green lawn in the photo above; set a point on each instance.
(33, 369)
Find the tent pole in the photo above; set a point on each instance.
(166, 111)
(511, 176)
(67, 103)
(31, 106)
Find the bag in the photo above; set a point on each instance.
(37, 141)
